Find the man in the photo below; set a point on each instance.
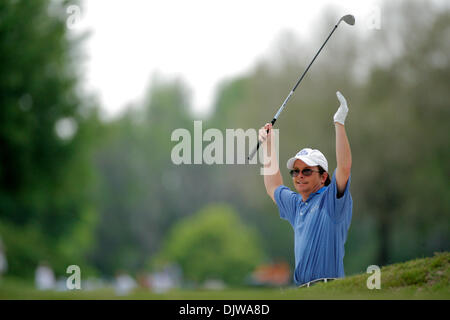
(321, 210)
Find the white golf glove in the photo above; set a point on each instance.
(341, 114)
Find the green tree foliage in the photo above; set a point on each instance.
(45, 134)
(407, 132)
(213, 244)
(141, 191)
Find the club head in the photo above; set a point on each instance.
(349, 19)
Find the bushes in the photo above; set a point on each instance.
(212, 244)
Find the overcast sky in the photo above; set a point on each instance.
(202, 41)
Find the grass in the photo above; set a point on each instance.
(426, 278)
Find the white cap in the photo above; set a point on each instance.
(312, 157)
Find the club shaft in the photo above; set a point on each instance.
(293, 89)
(306, 70)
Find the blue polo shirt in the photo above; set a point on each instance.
(320, 228)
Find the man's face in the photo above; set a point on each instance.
(306, 185)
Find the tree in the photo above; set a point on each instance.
(212, 244)
(407, 190)
(139, 187)
(46, 130)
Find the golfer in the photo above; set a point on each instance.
(321, 210)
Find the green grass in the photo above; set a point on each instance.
(426, 278)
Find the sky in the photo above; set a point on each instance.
(201, 41)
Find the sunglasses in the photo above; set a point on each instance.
(306, 172)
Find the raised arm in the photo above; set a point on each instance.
(272, 178)
(343, 152)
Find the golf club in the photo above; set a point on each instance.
(349, 19)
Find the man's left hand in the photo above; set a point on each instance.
(341, 114)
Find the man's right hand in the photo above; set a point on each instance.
(265, 133)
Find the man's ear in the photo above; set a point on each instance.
(324, 177)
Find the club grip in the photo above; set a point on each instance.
(252, 154)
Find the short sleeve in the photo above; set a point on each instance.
(287, 202)
(340, 209)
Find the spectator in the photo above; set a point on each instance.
(3, 261)
(124, 284)
(44, 277)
